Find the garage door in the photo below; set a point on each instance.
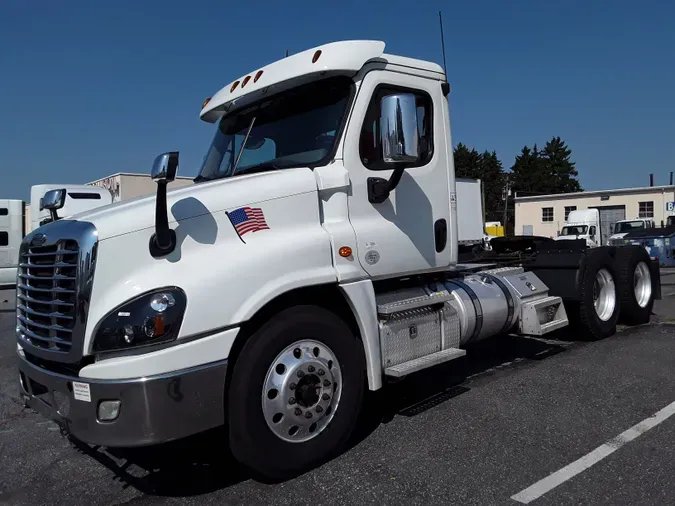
(609, 215)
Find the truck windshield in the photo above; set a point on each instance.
(296, 128)
(628, 226)
(574, 230)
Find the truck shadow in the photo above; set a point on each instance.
(424, 390)
(202, 463)
(196, 465)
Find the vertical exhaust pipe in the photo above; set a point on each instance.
(651, 179)
(671, 178)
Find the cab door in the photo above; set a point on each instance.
(410, 230)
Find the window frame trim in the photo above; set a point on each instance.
(552, 214)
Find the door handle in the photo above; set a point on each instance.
(440, 234)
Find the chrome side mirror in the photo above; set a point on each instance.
(165, 166)
(399, 136)
(53, 200)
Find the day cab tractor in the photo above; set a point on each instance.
(315, 259)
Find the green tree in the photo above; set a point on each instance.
(467, 162)
(491, 173)
(557, 165)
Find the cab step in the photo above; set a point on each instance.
(407, 299)
(397, 371)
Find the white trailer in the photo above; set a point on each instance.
(79, 198)
(11, 234)
(471, 228)
(315, 258)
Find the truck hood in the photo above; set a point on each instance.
(618, 236)
(569, 237)
(199, 199)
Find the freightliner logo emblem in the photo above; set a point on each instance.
(38, 240)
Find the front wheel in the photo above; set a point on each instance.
(296, 392)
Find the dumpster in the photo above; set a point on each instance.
(659, 243)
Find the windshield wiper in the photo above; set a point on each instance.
(262, 167)
(200, 178)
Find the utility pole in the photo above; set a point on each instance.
(506, 193)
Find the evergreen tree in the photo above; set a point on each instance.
(467, 162)
(558, 166)
(494, 179)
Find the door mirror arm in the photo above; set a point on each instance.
(379, 188)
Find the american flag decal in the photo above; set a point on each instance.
(248, 219)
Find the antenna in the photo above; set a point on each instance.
(287, 53)
(445, 68)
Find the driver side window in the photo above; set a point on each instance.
(370, 147)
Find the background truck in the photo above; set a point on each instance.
(470, 229)
(315, 258)
(18, 218)
(623, 227)
(583, 224)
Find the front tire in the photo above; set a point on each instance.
(295, 393)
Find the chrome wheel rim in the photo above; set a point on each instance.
(302, 391)
(642, 284)
(604, 295)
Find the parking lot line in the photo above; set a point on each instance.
(571, 470)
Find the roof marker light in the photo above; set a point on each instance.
(206, 102)
(246, 80)
(316, 56)
(257, 76)
(234, 85)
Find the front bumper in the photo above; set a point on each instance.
(152, 410)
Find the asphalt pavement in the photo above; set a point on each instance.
(554, 420)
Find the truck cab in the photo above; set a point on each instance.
(11, 234)
(315, 258)
(79, 198)
(582, 224)
(623, 227)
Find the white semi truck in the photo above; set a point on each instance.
(315, 259)
(18, 217)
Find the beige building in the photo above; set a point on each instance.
(125, 186)
(545, 215)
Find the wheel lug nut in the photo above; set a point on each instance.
(291, 400)
(310, 368)
(319, 409)
(292, 386)
(325, 397)
(301, 374)
(308, 415)
(298, 411)
(326, 383)
(321, 372)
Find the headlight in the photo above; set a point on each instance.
(151, 318)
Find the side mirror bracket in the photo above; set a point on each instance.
(379, 188)
(164, 169)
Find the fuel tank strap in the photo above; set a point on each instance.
(509, 301)
(476, 306)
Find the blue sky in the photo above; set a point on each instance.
(90, 88)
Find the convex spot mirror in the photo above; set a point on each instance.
(165, 166)
(54, 199)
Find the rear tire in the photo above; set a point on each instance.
(634, 284)
(296, 392)
(596, 313)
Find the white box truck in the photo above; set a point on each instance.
(15, 216)
(583, 224)
(314, 258)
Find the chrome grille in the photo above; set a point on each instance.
(47, 285)
(56, 266)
